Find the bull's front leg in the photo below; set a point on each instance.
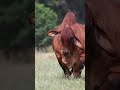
(76, 71)
(78, 67)
(65, 68)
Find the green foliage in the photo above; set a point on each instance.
(61, 7)
(45, 19)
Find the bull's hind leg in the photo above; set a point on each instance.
(65, 69)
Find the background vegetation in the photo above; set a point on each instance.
(46, 19)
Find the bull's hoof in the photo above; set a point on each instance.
(67, 76)
(76, 75)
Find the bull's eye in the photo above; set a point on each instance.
(71, 40)
(62, 41)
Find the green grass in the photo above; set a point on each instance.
(49, 75)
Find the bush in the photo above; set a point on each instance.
(45, 19)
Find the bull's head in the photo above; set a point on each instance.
(68, 40)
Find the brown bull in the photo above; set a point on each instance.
(69, 45)
(103, 44)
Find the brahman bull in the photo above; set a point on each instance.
(69, 45)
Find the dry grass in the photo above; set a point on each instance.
(49, 75)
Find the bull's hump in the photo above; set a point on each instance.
(69, 18)
(70, 13)
(68, 21)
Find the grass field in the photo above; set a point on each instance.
(49, 75)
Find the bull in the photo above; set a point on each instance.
(69, 45)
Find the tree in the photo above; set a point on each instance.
(61, 7)
(45, 19)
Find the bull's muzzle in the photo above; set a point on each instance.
(65, 52)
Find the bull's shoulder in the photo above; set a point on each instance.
(79, 26)
(82, 25)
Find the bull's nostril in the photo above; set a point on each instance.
(66, 53)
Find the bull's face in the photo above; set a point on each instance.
(67, 40)
(68, 44)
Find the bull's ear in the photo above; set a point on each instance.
(77, 43)
(52, 33)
